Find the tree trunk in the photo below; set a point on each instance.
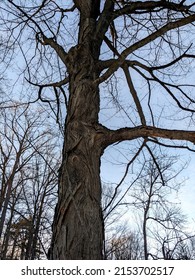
(78, 224)
(5, 205)
(7, 234)
(145, 238)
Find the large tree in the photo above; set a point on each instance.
(79, 47)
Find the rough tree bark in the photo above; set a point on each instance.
(78, 223)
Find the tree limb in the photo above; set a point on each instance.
(41, 38)
(149, 6)
(123, 134)
(134, 95)
(167, 27)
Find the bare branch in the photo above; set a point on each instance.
(41, 38)
(134, 94)
(160, 32)
(150, 6)
(126, 133)
(55, 84)
(123, 178)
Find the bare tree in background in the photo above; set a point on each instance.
(76, 49)
(15, 142)
(124, 244)
(161, 221)
(173, 240)
(29, 161)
